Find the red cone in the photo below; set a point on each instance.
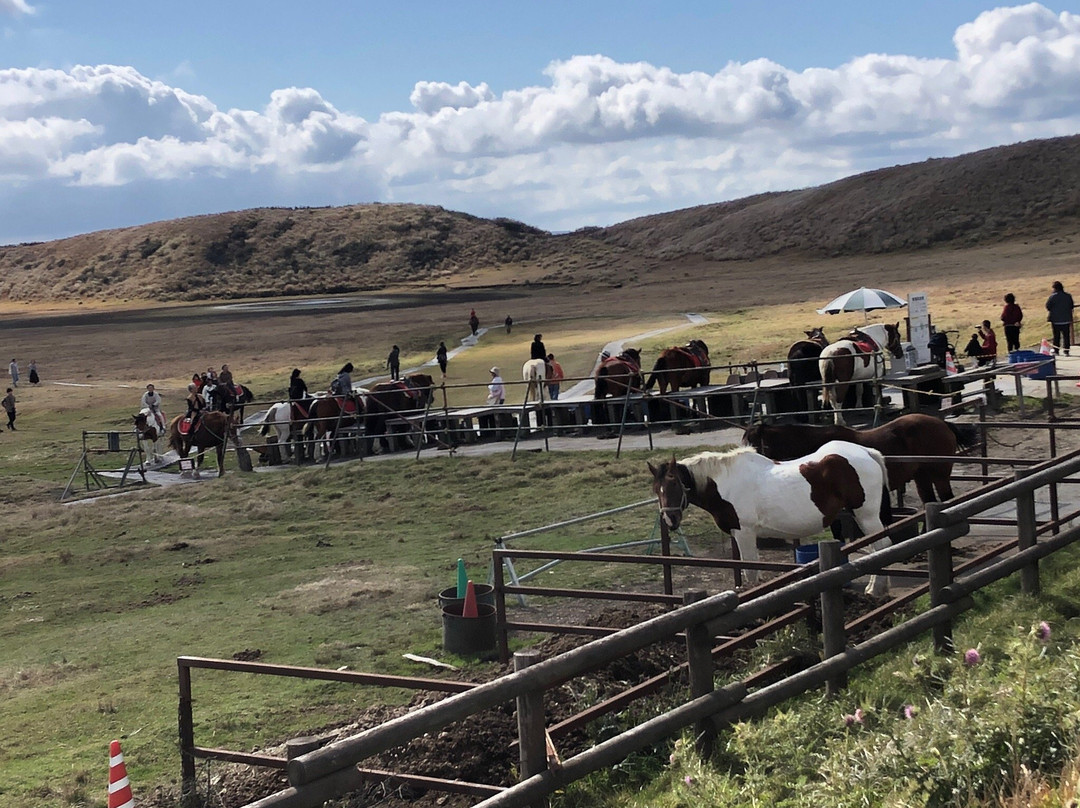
(469, 609)
(119, 787)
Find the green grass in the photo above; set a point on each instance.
(310, 567)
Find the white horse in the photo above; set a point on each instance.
(750, 496)
(534, 372)
(279, 420)
(854, 360)
(149, 434)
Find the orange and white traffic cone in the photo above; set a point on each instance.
(1046, 348)
(950, 364)
(119, 786)
(468, 609)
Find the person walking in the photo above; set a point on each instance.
(9, 407)
(151, 400)
(474, 322)
(440, 357)
(393, 361)
(496, 390)
(13, 369)
(554, 377)
(1060, 307)
(537, 349)
(1011, 316)
(34, 378)
(509, 323)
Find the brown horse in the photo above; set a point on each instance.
(328, 414)
(616, 373)
(802, 357)
(387, 400)
(859, 358)
(681, 366)
(909, 435)
(211, 431)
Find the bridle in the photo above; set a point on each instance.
(666, 510)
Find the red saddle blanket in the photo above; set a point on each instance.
(349, 406)
(696, 359)
(185, 426)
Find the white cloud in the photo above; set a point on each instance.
(598, 142)
(16, 7)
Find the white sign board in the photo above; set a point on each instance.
(919, 325)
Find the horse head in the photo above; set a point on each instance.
(670, 491)
(894, 344)
(817, 335)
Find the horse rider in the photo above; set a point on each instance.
(342, 383)
(151, 400)
(228, 389)
(537, 349)
(195, 405)
(298, 392)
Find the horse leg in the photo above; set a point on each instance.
(746, 541)
(221, 459)
(868, 518)
(943, 482)
(837, 402)
(924, 484)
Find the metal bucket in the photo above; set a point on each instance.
(485, 593)
(469, 635)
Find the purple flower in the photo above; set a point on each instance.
(971, 657)
(688, 780)
(1042, 631)
(909, 711)
(854, 718)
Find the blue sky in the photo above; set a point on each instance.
(559, 114)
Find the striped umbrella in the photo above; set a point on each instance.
(864, 300)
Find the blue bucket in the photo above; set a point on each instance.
(806, 553)
(1049, 369)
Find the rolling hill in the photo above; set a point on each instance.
(1027, 190)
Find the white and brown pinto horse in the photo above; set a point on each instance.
(534, 372)
(854, 360)
(149, 434)
(749, 496)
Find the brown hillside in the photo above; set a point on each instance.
(998, 194)
(1026, 190)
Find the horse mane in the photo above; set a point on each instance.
(706, 466)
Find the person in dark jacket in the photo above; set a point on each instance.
(297, 386)
(393, 361)
(537, 349)
(509, 323)
(1011, 316)
(1060, 307)
(440, 357)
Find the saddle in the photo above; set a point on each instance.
(693, 354)
(864, 346)
(187, 425)
(349, 405)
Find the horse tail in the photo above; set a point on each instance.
(175, 441)
(600, 390)
(268, 421)
(967, 435)
(828, 377)
(661, 365)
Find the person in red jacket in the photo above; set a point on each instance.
(989, 344)
(1011, 316)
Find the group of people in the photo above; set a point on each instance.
(553, 374)
(13, 371)
(1059, 308)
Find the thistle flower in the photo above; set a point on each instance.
(909, 711)
(1042, 631)
(688, 780)
(854, 718)
(971, 657)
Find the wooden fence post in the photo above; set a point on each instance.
(939, 566)
(1026, 527)
(185, 718)
(532, 744)
(833, 634)
(700, 663)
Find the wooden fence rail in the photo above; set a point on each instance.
(333, 770)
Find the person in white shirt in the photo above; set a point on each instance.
(496, 390)
(151, 400)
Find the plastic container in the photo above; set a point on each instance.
(485, 593)
(468, 636)
(806, 553)
(1048, 369)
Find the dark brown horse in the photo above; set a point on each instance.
(616, 373)
(212, 430)
(328, 414)
(802, 357)
(388, 400)
(909, 435)
(681, 366)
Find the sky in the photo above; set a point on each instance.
(559, 114)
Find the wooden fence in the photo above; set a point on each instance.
(335, 769)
